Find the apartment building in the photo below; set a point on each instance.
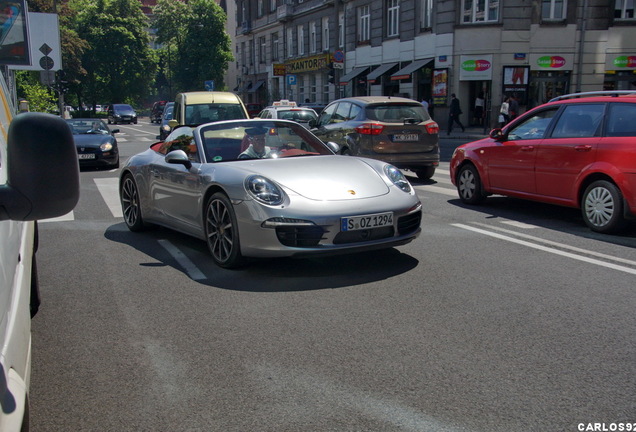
(320, 50)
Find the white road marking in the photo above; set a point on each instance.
(548, 249)
(67, 217)
(436, 189)
(109, 189)
(183, 260)
(519, 224)
(561, 245)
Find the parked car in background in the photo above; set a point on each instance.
(576, 150)
(121, 113)
(267, 188)
(157, 111)
(392, 129)
(195, 108)
(95, 143)
(253, 109)
(288, 110)
(164, 128)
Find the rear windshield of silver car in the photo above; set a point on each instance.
(210, 112)
(397, 113)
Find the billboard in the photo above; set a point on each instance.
(14, 40)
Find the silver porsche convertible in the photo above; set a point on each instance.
(267, 188)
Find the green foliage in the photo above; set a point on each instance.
(118, 61)
(40, 97)
(199, 48)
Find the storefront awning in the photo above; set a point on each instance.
(353, 74)
(406, 71)
(379, 71)
(255, 86)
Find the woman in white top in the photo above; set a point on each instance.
(503, 112)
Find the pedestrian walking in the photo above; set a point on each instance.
(453, 114)
(513, 108)
(503, 112)
(478, 116)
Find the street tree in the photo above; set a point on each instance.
(118, 61)
(198, 47)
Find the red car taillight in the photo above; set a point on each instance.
(432, 128)
(370, 129)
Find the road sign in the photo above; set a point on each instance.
(338, 56)
(338, 65)
(45, 49)
(209, 85)
(291, 79)
(47, 63)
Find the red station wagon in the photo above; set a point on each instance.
(577, 150)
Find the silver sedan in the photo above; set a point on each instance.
(267, 188)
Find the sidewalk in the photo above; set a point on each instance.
(470, 133)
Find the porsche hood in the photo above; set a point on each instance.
(338, 178)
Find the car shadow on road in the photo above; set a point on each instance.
(267, 274)
(564, 219)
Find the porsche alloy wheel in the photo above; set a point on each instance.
(130, 204)
(602, 207)
(221, 232)
(469, 185)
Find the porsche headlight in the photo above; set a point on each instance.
(398, 179)
(264, 190)
(106, 147)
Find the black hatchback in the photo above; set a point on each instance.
(392, 129)
(121, 113)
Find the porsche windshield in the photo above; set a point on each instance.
(259, 140)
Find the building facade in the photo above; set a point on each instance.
(320, 50)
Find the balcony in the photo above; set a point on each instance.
(284, 12)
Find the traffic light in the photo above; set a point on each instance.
(332, 74)
(61, 80)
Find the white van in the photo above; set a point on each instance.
(39, 179)
(196, 108)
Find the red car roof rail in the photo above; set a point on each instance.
(614, 93)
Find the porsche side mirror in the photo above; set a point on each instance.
(178, 157)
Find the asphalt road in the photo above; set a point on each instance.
(510, 316)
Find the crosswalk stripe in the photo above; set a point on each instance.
(67, 217)
(109, 189)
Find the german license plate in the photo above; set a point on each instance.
(86, 156)
(352, 223)
(405, 137)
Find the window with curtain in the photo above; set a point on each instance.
(478, 11)
(624, 9)
(364, 23)
(325, 34)
(393, 18)
(553, 9)
(426, 19)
